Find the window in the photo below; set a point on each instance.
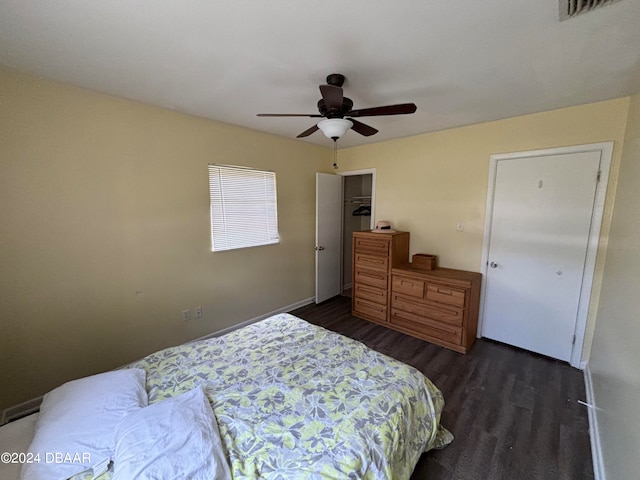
(244, 209)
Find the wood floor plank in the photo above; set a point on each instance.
(514, 414)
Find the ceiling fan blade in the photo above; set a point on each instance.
(399, 109)
(332, 96)
(308, 131)
(312, 115)
(362, 128)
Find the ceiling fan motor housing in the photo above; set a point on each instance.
(347, 105)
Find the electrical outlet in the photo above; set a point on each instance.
(198, 312)
(460, 226)
(186, 315)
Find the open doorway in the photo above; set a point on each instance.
(358, 195)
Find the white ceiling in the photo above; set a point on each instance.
(461, 62)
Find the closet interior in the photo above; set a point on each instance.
(357, 209)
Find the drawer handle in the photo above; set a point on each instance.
(370, 260)
(372, 292)
(376, 307)
(404, 282)
(371, 244)
(379, 277)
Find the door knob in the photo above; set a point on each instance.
(493, 264)
(319, 248)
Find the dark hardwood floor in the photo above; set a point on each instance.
(514, 414)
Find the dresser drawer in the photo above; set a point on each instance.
(407, 286)
(370, 244)
(424, 326)
(373, 294)
(372, 261)
(373, 278)
(441, 314)
(444, 294)
(374, 310)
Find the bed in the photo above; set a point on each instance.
(294, 400)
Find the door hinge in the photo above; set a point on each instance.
(574, 340)
(598, 176)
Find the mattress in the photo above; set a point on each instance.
(294, 400)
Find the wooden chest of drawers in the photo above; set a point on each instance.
(440, 306)
(374, 255)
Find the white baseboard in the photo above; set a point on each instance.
(224, 331)
(21, 410)
(594, 433)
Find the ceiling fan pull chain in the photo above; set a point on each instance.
(335, 153)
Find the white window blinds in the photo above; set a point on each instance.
(244, 209)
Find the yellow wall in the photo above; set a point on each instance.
(426, 184)
(105, 231)
(615, 357)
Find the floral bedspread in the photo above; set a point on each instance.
(296, 401)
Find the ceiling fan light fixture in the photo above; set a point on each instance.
(334, 128)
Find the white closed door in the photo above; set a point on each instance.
(541, 219)
(328, 236)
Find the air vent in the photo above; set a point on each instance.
(572, 8)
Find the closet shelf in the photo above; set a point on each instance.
(359, 200)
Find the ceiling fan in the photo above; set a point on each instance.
(339, 116)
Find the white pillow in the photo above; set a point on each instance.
(77, 422)
(177, 438)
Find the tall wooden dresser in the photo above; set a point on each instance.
(374, 255)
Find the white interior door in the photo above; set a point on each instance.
(540, 225)
(328, 235)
